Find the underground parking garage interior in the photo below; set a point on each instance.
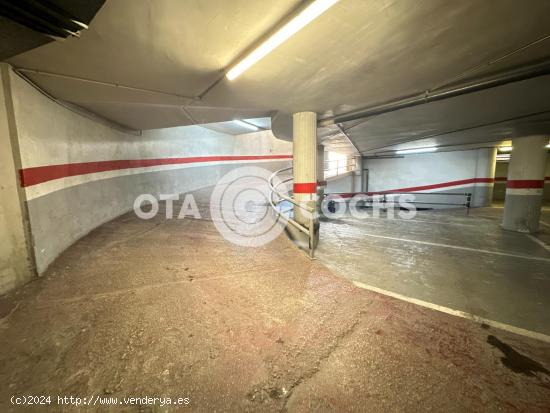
(272, 206)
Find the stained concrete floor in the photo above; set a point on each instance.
(169, 308)
(462, 262)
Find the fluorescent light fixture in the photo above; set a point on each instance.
(548, 146)
(310, 13)
(246, 125)
(419, 150)
(505, 148)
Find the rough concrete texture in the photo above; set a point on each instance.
(15, 262)
(522, 213)
(463, 262)
(63, 210)
(169, 308)
(499, 191)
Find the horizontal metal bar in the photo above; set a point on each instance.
(348, 160)
(401, 193)
(424, 203)
(289, 220)
(307, 231)
(285, 197)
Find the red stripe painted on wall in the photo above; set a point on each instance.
(426, 187)
(40, 174)
(504, 179)
(525, 183)
(305, 188)
(440, 185)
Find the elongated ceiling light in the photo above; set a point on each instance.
(246, 125)
(503, 157)
(310, 13)
(419, 150)
(505, 149)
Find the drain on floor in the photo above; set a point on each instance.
(515, 361)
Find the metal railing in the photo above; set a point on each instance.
(335, 167)
(276, 198)
(387, 198)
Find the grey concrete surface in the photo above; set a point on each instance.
(422, 170)
(499, 275)
(63, 210)
(522, 213)
(528, 163)
(499, 191)
(15, 258)
(170, 308)
(435, 41)
(60, 218)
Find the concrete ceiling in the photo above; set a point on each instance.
(517, 109)
(168, 53)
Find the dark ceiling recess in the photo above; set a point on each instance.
(26, 24)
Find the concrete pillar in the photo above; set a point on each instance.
(525, 184)
(321, 183)
(482, 194)
(358, 174)
(304, 128)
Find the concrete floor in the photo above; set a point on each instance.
(169, 308)
(462, 262)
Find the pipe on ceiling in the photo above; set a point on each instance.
(427, 97)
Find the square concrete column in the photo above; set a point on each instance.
(525, 184)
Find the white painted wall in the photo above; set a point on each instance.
(418, 170)
(63, 210)
(340, 184)
(15, 264)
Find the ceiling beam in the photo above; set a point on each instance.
(428, 97)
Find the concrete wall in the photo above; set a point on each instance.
(459, 172)
(15, 259)
(499, 192)
(501, 172)
(89, 186)
(341, 184)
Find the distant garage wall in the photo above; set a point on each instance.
(78, 173)
(341, 183)
(501, 175)
(470, 171)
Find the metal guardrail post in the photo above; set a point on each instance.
(309, 232)
(311, 237)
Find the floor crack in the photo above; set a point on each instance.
(336, 342)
